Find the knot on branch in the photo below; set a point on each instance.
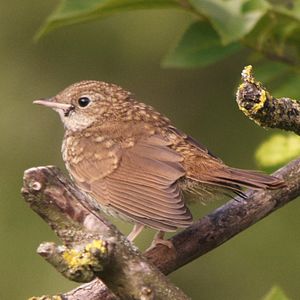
(267, 111)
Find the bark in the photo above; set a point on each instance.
(94, 290)
(50, 194)
(93, 246)
(267, 111)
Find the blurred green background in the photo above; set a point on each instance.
(126, 49)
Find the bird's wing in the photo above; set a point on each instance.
(140, 184)
(206, 168)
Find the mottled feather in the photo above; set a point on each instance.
(140, 181)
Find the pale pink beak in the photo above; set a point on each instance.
(59, 107)
(54, 105)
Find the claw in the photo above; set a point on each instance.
(159, 239)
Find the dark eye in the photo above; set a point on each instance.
(84, 101)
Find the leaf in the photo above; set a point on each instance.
(75, 11)
(275, 293)
(278, 150)
(232, 19)
(276, 37)
(199, 46)
(288, 8)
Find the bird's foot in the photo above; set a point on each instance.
(137, 229)
(159, 239)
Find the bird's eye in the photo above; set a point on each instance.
(84, 101)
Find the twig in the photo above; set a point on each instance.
(94, 290)
(267, 111)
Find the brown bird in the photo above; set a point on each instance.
(133, 163)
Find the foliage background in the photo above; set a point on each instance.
(126, 49)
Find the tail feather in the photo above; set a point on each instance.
(231, 181)
(249, 179)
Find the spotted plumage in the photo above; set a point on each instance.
(133, 163)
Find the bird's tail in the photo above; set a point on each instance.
(235, 179)
(253, 179)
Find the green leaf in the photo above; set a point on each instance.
(278, 150)
(288, 8)
(75, 11)
(276, 37)
(232, 19)
(275, 293)
(199, 46)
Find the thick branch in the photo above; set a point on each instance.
(267, 111)
(207, 233)
(89, 236)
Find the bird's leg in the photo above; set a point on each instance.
(159, 239)
(136, 230)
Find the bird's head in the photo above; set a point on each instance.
(86, 102)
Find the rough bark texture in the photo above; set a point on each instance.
(94, 290)
(267, 111)
(127, 265)
(88, 236)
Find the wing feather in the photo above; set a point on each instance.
(144, 185)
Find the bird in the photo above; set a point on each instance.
(134, 164)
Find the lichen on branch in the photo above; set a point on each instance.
(81, 263)
(267, 111)
(93, 247)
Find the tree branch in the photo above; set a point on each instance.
(205, 235)
(94, 247)
(94, 290)
(267, 111)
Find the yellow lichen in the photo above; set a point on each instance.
(245, 111)
(73, 258)
(97, 244)
(247, 74)
(241, 86)
(78, 258)
(261, 103)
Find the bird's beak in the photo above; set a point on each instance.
(63, 109)
(52, 104)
